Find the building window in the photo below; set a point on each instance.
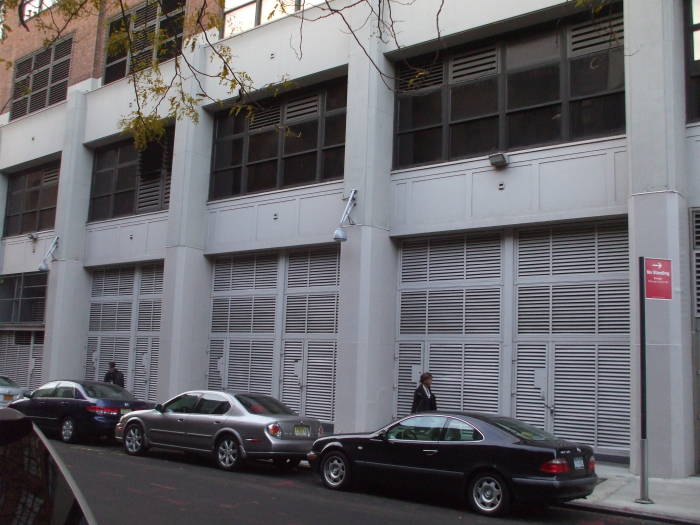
(298, 139)
(693, 59)
(34, 7)
(155, 32)
(126, 181)
(22, 298)
(241, 15)
(41, 79)
(553, 85)
(31, 200)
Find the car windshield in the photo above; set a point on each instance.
(5, 381)
(264, 405)
(107, 391)
(521, 430)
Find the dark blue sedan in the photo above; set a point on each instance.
(78, 409)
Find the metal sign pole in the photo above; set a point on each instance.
(644, 451)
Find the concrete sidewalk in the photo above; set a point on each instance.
(675, 500)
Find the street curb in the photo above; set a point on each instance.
(625, 511)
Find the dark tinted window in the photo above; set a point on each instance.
(419, 428)
(31, 200)
(288, 140)
(46, 390)
(107, 391)
(692, 28)
(263, 405)
(65, 391)
(212, 404)
(520, 429)
(23, 299)
(183, 404)
(460, 431)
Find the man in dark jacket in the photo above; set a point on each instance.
(114, 375)
(423, 397)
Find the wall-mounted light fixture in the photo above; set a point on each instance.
(44, 266)
(339, 234)
(498, 160)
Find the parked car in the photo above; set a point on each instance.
(78, 408)
(9, 391)
(493, 460)
(231, 426)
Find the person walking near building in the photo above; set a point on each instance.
(114, 375)
(423, 397)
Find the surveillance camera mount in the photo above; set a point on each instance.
(49, 256)
(339, 234)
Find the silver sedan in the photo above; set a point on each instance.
(9, 391)
(230, 426)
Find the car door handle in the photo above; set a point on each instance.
(217, 422)
(429, 451)
(180, 419)
(64, 403)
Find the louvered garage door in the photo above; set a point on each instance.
(572, 357)
(125, 317)
(450, 302)
(21, 357)
(273, 327)
(568, 342)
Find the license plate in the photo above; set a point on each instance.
(125, 411)
(578, 463)
(8, 397)
(302, 431)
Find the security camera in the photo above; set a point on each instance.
(43, 267)
(32, 236)
(339, 235)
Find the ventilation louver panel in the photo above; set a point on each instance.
(473, 65)
(414, 261)
(215, 380)
(596, 35)
(446, 362)
(696, 258)
(42, 59)
(292, 355)
(481, 377)
(531, 377)
(50, 176)
(320, 380)
(410, 361)
(613, 424)
(23, 67)
(575, 392)
(19, 108)
(301, 108)
(146, 15)
(423, 75)
(63, 49)
(263, 117)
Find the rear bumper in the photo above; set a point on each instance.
(550, 490)
(99, 425)
(279, 448)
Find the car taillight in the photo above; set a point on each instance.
(591, 464)
(102, 411)
(274, 430)
(555, 466)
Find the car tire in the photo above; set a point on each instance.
(489, 494)
(336, 472)
(134, 440)
(286, 464)
(227, 453)
(68, 431)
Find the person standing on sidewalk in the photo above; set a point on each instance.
(423, 398)
(114, 375)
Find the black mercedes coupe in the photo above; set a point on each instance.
(493, 460)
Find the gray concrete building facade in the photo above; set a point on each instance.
(208, 259)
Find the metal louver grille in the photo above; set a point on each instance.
(292, 369)
(301, 108)
(695, 228)
(531, 373)
(574, 392)
(475, 64)
(320, 380)
(419, 76)
(21, 357)
(597, 35)
(263, 117)
(215, 379)
(317, 267)
(408, 370)
(250, 366)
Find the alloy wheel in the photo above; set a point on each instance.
(487, 494)
(334, 471)
(67, 430)
(133, 440)
(227, 453)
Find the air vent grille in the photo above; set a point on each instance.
(473, 65)
(596, 35)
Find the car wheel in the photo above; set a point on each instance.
(336, 471)
(134, 440)
(488, 494)
(69, 430)
(227, 453)
(286, 464)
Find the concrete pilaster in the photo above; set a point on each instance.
(186, 301)
(658, 223)
(365, 395)
(68, 292)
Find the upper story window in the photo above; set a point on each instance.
(31, 200)
(693, 59)
(126, 181)
(298, 139)
(241, 15)
(22, 298)
(155, 31)
(41, 79)
(553, 85)
(34, 7)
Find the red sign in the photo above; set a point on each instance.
(657, 278)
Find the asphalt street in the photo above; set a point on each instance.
(172, 488)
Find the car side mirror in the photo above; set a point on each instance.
(383, 436)
(27, 394)
(158, 408)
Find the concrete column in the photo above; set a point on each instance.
(68, 293)
(659, 223)
(365, 393)
(186, 293)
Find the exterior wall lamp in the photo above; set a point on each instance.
(498, 160)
